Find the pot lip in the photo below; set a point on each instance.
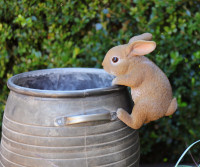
(55, 93)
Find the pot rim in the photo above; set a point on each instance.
(55, 93)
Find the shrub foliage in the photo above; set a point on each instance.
(47, 34)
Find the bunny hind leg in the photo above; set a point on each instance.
(135, 120)
(124, 116)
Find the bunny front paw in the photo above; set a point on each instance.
(114, 81)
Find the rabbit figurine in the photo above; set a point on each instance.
(150, 87)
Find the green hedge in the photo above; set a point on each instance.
(47, 34)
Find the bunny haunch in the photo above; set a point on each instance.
(150, 88)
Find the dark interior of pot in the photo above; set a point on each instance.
(65, 81)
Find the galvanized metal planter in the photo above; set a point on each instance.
(66, 118)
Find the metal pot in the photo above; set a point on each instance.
(67, 118)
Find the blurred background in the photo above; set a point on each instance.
(40, 34)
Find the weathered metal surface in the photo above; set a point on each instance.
(31, 138)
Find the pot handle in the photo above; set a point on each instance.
(95, 115)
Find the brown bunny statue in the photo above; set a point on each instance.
(150, 87)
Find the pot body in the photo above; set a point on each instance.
(32, 137)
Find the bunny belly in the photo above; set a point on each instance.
(155, 95)
(136, 93)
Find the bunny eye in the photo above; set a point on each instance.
(115, 59)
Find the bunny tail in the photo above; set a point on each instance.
(172, 107)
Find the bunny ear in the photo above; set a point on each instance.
(145, 36)
(140, 48)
